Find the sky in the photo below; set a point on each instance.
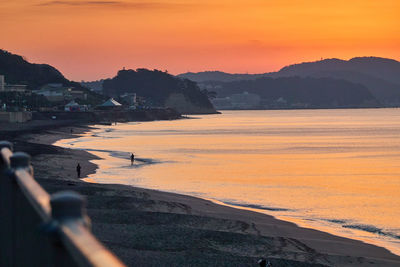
(89, 40)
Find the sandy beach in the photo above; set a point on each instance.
(152, 228)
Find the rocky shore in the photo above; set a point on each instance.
(153, 228)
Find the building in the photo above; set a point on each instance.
(2, 83)
(130, 98)
(222, 103)
(22, 88)
(110, 104)
(12, 87)
(245, 101)
(77, 94)
(73, 106)
(52, 94)
(56, 92)
(18, 116)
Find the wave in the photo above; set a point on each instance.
(371, 229)
(254, 206)
(336, 221)
(363, 227)
(112, 153)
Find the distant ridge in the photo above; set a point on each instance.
(382, 68)
(380, 75)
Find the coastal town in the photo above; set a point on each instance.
(55, 100)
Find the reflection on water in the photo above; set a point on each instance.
(335, 170)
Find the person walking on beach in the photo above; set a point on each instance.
(132, 158)
(78, 170)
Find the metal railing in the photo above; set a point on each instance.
(38, 229)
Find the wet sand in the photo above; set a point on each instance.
(153, 228)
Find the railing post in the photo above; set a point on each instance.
(31, 246)
(4, 163)
(68, 206)
(6, 223)
(39, 230)
(7, 144)
(21, 160)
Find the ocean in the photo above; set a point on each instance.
(333, 170)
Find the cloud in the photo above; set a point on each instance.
(123, 4)
(79, 3)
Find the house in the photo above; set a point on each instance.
(245, 100)
(77, 94)
(73, 106)
(53, 94)
(222, 103)
(130, 98)
(110, 104)
(56, 92)
(4, 87)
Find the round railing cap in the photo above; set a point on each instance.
(6, 144)
(67, 204)
(20, 160)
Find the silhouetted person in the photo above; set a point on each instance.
(132, 158)
(78, 170)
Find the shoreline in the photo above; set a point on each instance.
(280, 241)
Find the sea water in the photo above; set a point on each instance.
(333, 170)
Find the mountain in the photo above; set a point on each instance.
(380, 75)
(297, 92)
(161, 88)
(381, 68)
(388, 93)
(17, 70)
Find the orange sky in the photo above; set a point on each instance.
(93, 39)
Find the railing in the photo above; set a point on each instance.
(38, 229)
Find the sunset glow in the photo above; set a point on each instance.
(93, 39)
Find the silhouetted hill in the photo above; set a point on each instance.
(382, 68)
(386, 92)
(296, 92)
(161, 88)
(19, 71)
(380, 75)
